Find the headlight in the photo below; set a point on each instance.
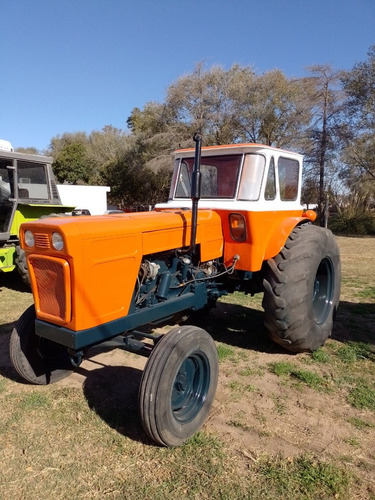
(29, 238)
(57, 241)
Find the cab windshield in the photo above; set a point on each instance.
(32, 180)
(219, 176)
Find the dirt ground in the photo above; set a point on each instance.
(256, 412)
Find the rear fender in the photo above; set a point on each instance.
(266, 234)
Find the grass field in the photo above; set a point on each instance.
(283, 426)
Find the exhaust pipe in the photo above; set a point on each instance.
(195, 189)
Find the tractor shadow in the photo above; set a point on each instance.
(6, 367)
(14, 282)
(237, 326)
(112, 393)
(355, 322)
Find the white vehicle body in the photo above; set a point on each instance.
(6, 145)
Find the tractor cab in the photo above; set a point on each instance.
(25, 180)
(27, 191)
(249, 176)
(256, 190)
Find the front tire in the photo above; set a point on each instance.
(302, 289)
(178, 385)
(37, 360)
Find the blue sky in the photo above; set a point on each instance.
(78, 65)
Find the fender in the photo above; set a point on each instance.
(266, 234)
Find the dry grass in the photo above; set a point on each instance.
(283, 426)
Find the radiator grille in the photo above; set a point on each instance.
(51, 278)
(42, 240)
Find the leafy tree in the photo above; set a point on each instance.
(326, 132)
(239, 106)
(70, 164)
(29, 151)
(269, 109)
(359, 85)
(102, 148)
(61, 141)
(132, 181)
(202, 102)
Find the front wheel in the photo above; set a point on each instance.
(178, 385)
(302, 289)
(37, 360)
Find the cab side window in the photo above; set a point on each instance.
(270, 191)
(288, 178)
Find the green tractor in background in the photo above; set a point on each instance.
(28, 191)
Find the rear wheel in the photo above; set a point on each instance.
(37, 360)
(302, 289)
(178, 385)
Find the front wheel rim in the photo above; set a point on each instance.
(323, 291)
(190, 387)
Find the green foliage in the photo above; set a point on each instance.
(282, 368)
(133, 183)
(70, 164)
(353, 222)
(321, 356)
(224, 351)
(311, 379)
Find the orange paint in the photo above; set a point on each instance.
(103, 255)
(267, 233)
(92, 280)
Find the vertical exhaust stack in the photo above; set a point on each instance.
(195, 188)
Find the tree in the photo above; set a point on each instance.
(202, 101)
(359, 85)
(239, 106)
(359, 153)
(70, 164)
(270, 109)
(132, 181)
(326, 131)
(102, 148)
(29, 151)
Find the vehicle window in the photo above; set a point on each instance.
(270, 191)
(4, 180)
(32, 180)
(174, 179)
(251, 179)
(218, 176)
(184, 184)
(288, 178)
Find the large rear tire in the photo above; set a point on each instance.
(302, 289)
(37, 360)
(178, 385)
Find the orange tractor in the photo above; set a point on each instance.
(95, 278)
